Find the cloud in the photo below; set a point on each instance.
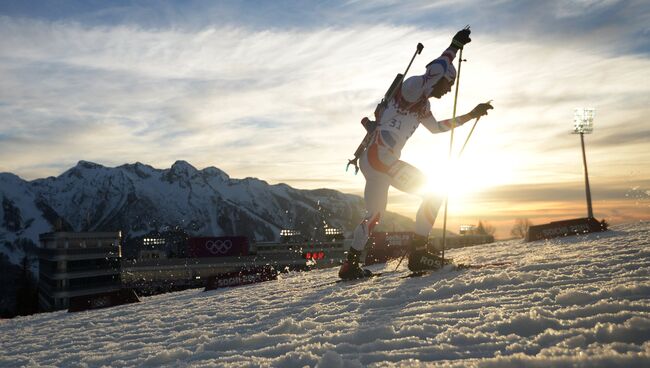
(281, 99)
(622, 25)
(218, 90)
(564, 191)
(625, 138)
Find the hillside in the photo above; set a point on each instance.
(578, 301)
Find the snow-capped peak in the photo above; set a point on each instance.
(88, 165)
(212, 171)
(137, 198)
(183, 167)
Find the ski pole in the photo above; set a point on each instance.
(470, 134)
(459, 155)
(451, 144)
(401, 259)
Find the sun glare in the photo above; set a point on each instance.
(453, 180)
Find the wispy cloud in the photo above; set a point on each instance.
(276, 90)
(164, 90)
(620, 24)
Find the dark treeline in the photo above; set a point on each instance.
(18, 289)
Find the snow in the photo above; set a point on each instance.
(24, 198)
(573, 302)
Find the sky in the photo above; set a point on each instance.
(276, 90)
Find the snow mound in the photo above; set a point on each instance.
(581, 301)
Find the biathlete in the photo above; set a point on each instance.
(381, 165)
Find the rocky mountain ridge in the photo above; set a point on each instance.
(137, 198)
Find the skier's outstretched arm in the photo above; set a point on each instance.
(435, 126)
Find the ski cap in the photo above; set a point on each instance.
(442, 66)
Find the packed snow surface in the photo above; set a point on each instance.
(578, 301)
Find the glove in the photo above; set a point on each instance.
(461, 38)
(480, 110)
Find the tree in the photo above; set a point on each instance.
(521, 228)
(27, 291)
(484, 228)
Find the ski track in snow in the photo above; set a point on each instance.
(578, 301)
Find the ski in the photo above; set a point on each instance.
(459, 267)
(417, 274)
(361, 279)
(463, 266)
(421, 273)
(372, 276)
(456, 267)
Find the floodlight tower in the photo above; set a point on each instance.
(583, 123)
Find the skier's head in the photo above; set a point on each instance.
(441, 88)
(443, 85)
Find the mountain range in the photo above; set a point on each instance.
(137, 199)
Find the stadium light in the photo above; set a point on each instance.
(333, 231)
(289, 232)
(583, 123)
(583, 120)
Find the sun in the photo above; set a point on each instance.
(453, 181)
(467, 179)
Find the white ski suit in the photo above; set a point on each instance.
(380, 163)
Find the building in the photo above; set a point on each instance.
(453, 242)
(210, 256)
(469, 235)
(298, 255)
(77, 264)
(169, 242)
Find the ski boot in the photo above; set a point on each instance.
(350, 269)
(420, 259)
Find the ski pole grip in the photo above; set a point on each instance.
(420, 48)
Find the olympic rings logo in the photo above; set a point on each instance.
(218, 246)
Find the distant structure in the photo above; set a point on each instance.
(469, 235)
(209, 260)
(467, 229)
(583, 123)
(75, 265)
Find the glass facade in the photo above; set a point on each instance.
(75, 264)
